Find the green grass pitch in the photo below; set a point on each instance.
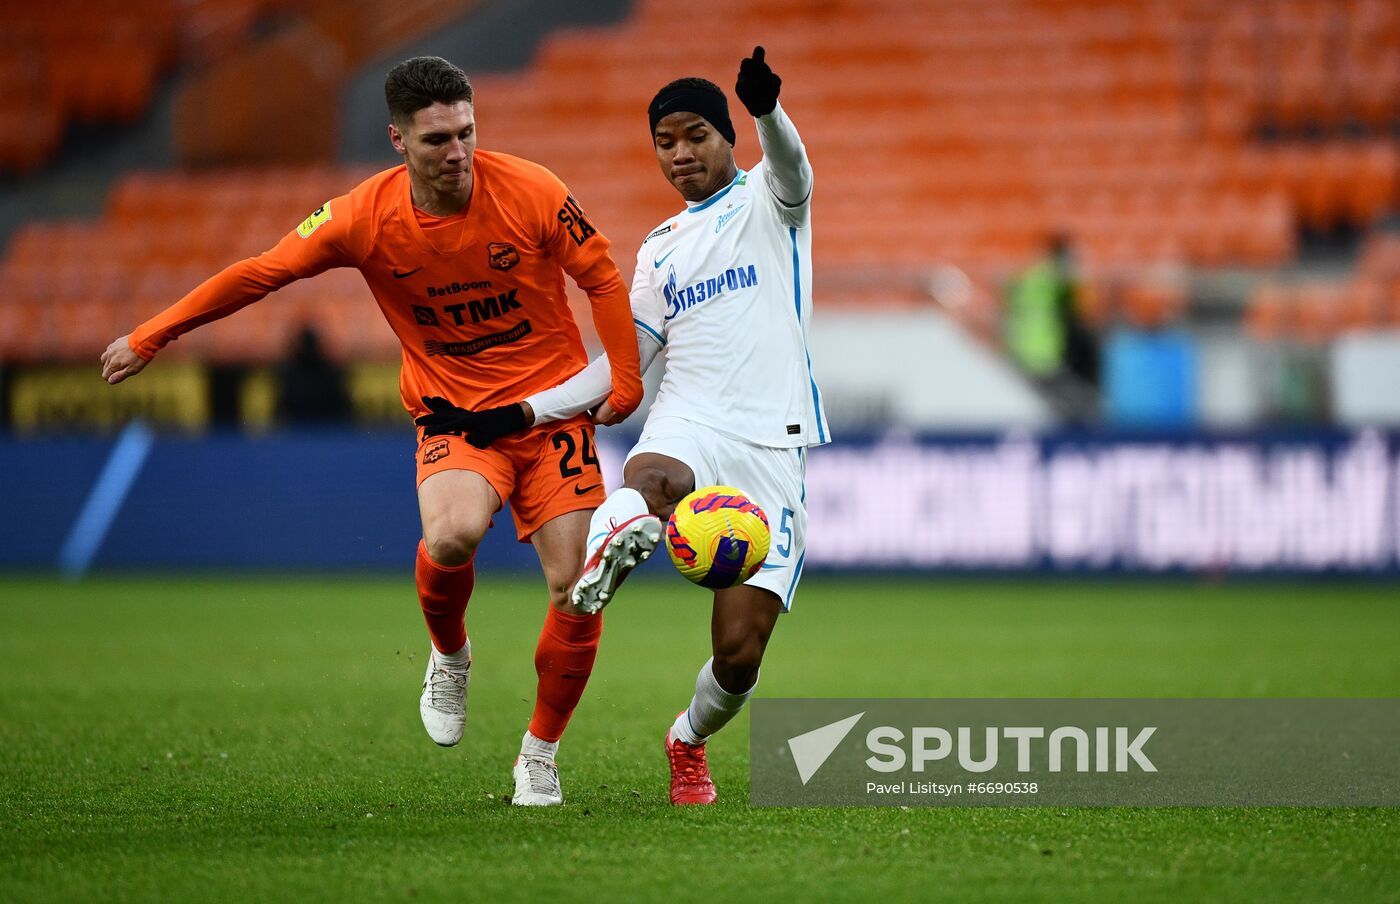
(257, 738)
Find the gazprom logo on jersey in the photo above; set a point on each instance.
(700, 291)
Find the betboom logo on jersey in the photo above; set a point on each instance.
(733, 279)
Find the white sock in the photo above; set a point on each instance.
(623, 505)
(710, 709)
(457, 661)
(535, 747)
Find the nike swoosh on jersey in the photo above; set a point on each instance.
(656, 265)
(579, 491)
(398, 275)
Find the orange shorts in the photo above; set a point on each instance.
(545, 472)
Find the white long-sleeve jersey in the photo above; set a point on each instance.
(726, 287)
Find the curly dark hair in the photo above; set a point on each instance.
(421, 82)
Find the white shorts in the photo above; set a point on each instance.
(773, 478)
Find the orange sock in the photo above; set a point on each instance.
(564, 660)
(443, 592)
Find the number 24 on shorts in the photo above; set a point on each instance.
(565, 441)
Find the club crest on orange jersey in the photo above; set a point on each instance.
(502, 255)
(313, 222)
(435, 452)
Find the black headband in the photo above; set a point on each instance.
(709, 104)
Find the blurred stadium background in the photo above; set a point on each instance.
(1201, 379)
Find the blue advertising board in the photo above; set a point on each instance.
(1325, 503)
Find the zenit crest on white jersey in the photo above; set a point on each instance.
(725, 287)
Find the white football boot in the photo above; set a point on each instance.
(536, 782)
(443, 705)
(628, 545)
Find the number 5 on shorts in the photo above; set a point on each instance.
(785, 548)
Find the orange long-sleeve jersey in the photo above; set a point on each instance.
(477, 299)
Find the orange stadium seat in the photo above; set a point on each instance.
(24, 340)
(1391, 298)
(1268, 314)
(1319, 309)
(87, 61)
(1363, 305)
(956, 131)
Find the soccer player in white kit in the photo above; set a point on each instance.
(725, 288)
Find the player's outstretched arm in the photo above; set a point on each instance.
(119, 361)
(237, 286)
(589, 389)
(612, 317)
(583, 253)
(788, 171)
(317, 245)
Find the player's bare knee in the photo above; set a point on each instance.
(737, 663)
(742, 654)
(659, 489)
(560, 597)
(451, 549)
(653, 486)
(735, 680)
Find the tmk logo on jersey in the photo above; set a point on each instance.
(733, 279)
(478, 309)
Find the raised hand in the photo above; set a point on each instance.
(757, 87)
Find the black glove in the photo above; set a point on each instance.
(757, 86)
(481, 428)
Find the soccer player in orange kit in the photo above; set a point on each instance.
(465, 251)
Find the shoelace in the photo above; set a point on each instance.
(544, 778)
(602, 538)
(446, 687)
(689, 763)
